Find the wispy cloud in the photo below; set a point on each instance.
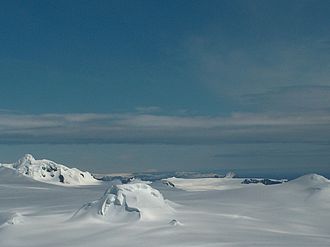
(281, 69)
(291, 99)
(164, 129)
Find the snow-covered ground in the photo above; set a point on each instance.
(195, 212)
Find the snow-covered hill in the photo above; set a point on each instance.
(310, 180)
(50, 172)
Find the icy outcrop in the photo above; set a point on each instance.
(50, 172)
(127, 202)
(168, 183)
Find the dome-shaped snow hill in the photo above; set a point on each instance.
(50, 172)
(312, 188)
(127, 202)
(311, 180)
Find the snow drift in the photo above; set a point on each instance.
(127, 202)
(50, 172)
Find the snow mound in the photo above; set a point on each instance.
(127, 202)
(15, 219)
(311, 180)
(313, 188)
(50, 172)
(11, 219)
(175, 222)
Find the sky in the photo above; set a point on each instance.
(118, 86)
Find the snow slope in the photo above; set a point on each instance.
(36, 214)
(205, 184)
(49, 172)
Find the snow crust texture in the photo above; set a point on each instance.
(201, 212)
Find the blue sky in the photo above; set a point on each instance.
(163, 85)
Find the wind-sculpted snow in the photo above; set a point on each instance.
(127, 202)
(10, 219)
(50, 172)
(200, 212)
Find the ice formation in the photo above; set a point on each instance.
(127, 202)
